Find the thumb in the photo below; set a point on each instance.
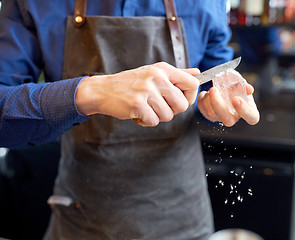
(191, 94)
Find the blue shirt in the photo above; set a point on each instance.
(32, 36)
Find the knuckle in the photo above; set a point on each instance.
(184, 106)
(153, 122)
(147, 86)
(228, 121)
(211, 114)
(167, 117)
(161, 64)
(136, 103)
(154, 74)
(180, 107)
(152, 68)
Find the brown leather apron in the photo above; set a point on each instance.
(127, 181)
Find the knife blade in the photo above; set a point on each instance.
(211, 73)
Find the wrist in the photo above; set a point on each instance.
(86, 98)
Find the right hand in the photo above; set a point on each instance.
(150, 94)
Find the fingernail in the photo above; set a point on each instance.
(197, 70)
(213, 90)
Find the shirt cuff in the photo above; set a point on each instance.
(58, 105)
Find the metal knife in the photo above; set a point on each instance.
(211, 73)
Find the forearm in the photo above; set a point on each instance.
(32, 114)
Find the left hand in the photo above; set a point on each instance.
(213, 107)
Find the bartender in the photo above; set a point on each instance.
(119, 89)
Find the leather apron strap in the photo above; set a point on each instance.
(173, 23)
(176, 33)
(80, 12)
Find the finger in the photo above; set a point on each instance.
(175, 98)
(145, 117)
(184, 80)
(166, 97)
(192, 95)
(249, 113)
(161, 108)
(191, 71)
(249, 89)
(251, 101)
(205, 107)
(221, 108)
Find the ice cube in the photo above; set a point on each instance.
(230, 84)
